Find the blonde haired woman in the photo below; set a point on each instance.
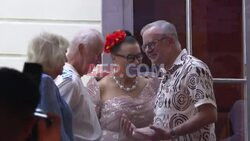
(49, 50)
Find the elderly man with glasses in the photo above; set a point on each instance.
(185, 107)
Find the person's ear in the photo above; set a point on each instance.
(170, 41)
(82, 49)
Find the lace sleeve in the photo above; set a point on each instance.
(94, 93)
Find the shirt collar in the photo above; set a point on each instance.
(180, 58)
(69, 66)
(177, 63)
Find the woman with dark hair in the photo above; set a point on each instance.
(124, 92)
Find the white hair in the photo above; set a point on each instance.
(48, 50)
(91, 38)
(164, 27)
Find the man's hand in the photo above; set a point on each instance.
(152, 133)
(49, 132)
(160, 133)
(145, 133)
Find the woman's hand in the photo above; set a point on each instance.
(127, 127)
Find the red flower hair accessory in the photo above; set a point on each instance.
(114, 39)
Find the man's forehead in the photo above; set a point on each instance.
(150, 36)
(153, 31)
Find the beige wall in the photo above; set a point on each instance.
(20, 20)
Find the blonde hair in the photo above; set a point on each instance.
(49, 50)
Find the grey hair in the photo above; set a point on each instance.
(165, 27)
(48, 50)
(89, 37)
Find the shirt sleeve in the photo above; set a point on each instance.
(70, 92)
(86, 126)
(199, 82)
(50, 103)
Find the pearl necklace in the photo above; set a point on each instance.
(121, 86)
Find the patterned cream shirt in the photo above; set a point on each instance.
(186, 86)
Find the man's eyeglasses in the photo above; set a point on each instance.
(131, 58)
(151, 45)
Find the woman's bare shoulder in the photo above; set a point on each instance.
(143, 80)
(104, 82)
